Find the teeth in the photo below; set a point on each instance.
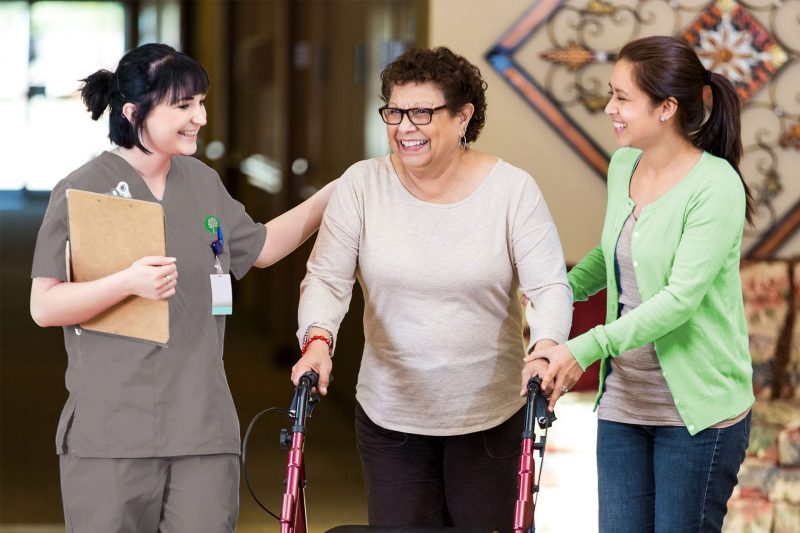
(410, 144)
(189, 133)
(619, 125)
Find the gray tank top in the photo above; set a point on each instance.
(635, 389)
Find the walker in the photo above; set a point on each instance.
(292, 518)
(535, 410)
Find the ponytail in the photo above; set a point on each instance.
(96, 92)
(145, 77)
(721, 134)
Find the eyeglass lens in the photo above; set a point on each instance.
(417, 115)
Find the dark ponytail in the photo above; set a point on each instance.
(146, 76)
(667, 67)
(721, 132)
(96, 92)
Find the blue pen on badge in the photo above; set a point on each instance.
(218, 245)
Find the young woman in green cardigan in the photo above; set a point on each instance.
(675, 388)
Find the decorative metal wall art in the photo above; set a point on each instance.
(558, 55)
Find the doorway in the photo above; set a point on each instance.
(295, 88)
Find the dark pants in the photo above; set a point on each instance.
(423, 481)
(661, 479)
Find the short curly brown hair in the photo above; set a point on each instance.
(459, 80)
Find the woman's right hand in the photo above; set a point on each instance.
(152, 277)
(318, 359)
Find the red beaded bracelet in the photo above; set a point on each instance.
(323, 338)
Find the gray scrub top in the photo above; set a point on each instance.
(130, 398)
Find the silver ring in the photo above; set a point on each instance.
(168, 278)
(564, 390)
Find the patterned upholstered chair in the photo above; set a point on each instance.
(768, 496)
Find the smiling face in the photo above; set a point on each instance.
(171, 129)
(636, 119)
(429, 145)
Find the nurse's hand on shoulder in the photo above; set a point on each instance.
(152, 277)
(562, 373)
(318, 359)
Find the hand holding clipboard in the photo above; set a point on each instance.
(108, 234)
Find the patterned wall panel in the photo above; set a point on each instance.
(558, 57)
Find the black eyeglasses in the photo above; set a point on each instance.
(419, 116)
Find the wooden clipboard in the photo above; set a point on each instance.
(106, 234)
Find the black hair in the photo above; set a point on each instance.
(460, 81)
(665, 67)
(146, 76)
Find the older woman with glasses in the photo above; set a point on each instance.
(442, 238)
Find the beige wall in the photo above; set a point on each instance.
(514, 131)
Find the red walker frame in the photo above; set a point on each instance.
(293, 509)
(293, 505)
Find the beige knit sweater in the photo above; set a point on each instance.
(442, 321)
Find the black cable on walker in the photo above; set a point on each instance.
(303, 402)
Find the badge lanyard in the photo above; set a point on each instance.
(221, 291)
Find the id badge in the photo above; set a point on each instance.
(221, 294)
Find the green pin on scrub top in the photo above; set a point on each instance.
(211, 223)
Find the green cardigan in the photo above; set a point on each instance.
(685, 250)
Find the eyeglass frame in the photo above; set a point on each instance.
(407, 113)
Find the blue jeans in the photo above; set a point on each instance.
(661, 479)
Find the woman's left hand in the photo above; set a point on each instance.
(562, 373)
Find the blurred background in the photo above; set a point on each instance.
(293, 99)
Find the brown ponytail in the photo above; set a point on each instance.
(667, 67)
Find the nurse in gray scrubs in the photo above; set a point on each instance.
(149, 438)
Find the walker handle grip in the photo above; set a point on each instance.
(311, 379)
(543, 416)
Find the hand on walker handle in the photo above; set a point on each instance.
(537, 367)
(318, 359)
(562, 372)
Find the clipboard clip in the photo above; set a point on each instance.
(121, 190)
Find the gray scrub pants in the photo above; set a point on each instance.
(191, 494)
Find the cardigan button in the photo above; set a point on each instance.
(691, 427)
(635, 264)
